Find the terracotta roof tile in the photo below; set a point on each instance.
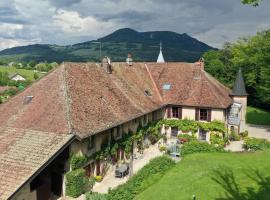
(22, 153)
(190, 86)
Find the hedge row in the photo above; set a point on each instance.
(77, 183)
(199, 147)
(145, 177)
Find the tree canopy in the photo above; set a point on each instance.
(253, 56)
(251, 2)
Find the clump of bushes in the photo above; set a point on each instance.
(199, 147)
(149, 174)
(217, 138)
(234, 136)
(186, 138)
(77, 183)
(256, 144)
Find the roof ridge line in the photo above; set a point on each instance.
(66, 97)
(153, 81)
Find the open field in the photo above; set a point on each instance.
(28, 74)
(215, 176)
(257, 116)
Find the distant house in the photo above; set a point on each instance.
(16, 77)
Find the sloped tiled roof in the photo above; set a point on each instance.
(99, 100)
(189, 85)
(22, 153)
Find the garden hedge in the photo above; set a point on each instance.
(76, 183)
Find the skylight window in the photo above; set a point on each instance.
(166, 87)
(147, 93)
(27, 99)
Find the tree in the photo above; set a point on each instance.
(253, 56)
(36, 76)
(252, 2)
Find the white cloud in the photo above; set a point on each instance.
(73, 21)
(8, 43)
(72, 24)
(10, 30)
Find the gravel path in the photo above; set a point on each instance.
(110, 181)
(235, 146)
(258, 131)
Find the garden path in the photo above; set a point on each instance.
(258, 131)
(110, 181)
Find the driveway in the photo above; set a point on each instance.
(258, 131)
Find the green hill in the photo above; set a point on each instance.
(143, 45)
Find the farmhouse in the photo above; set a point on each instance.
(16, 77)
(80, 107)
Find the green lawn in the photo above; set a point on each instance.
(28, 74)
(215, 176)
(257, 116)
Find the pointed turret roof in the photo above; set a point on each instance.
(160, 56)
(239, 85)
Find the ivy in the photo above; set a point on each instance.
(187, 125)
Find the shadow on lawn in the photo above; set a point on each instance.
(224, 176)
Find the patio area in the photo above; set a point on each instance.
(109, 181)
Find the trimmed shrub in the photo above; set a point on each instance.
(77, 162)
(145, 177)
(199, 147)
(95, 196)
(256, 144)
(77, 183)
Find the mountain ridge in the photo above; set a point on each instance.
(143, 45)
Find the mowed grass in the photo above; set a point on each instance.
(27, 74)
(257, 116)
(215, 176)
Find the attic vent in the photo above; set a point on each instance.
(27, 99)
(166, 86)
(147, 93)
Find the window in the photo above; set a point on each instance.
(144, 120)
(91, 142)
(174, 132)
(203, 114)
(202, 135)
(118, 132)
(155, 116)
(177, 112)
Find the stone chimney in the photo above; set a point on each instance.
(129, 59)
(106, 65)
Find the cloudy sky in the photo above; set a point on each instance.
(71, 21)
